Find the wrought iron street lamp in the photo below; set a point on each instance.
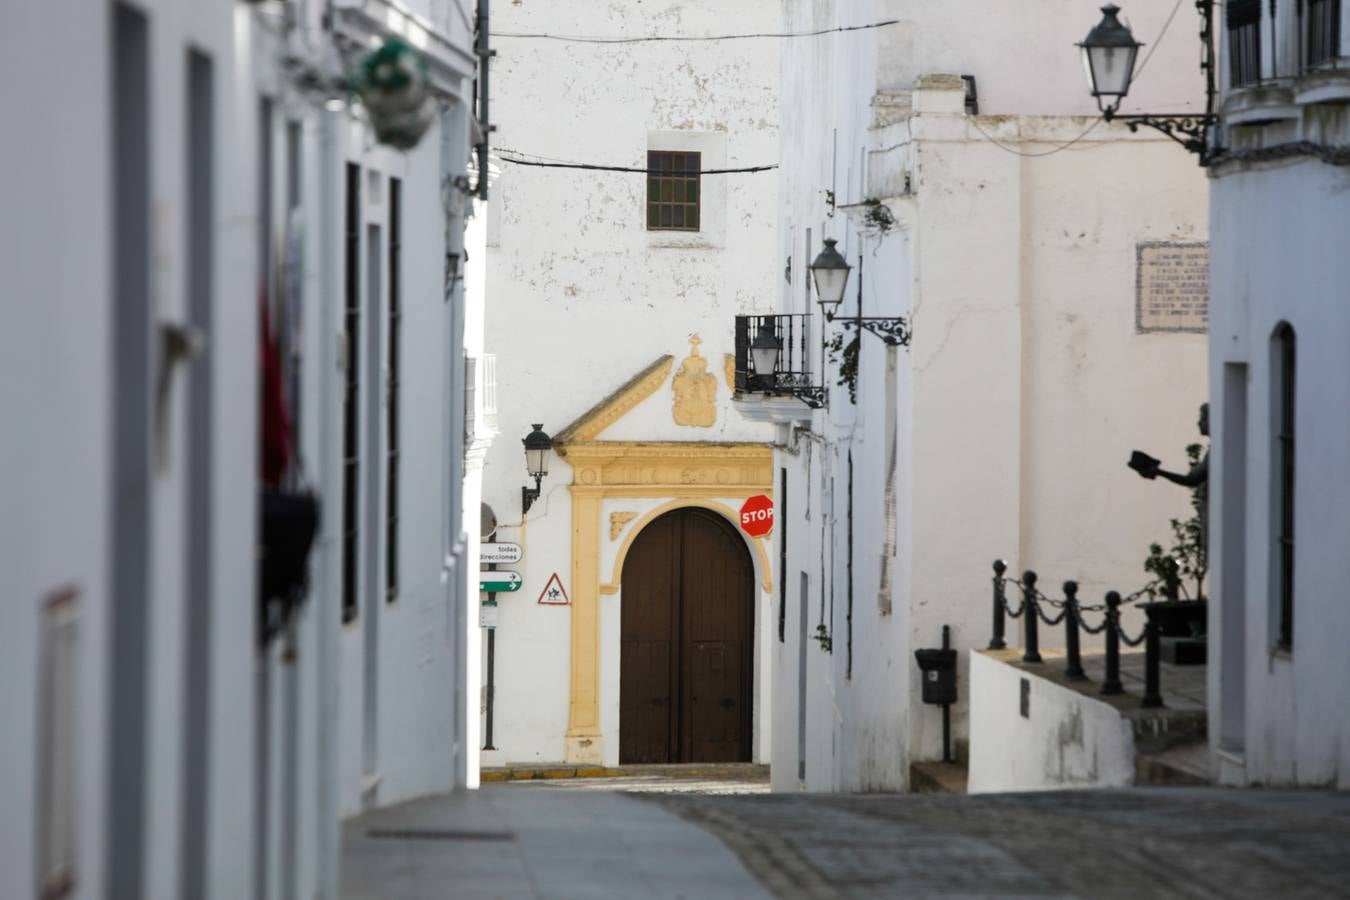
(1109, 53)
(830, 271)
(537, 447)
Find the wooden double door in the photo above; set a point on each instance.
(686, 644)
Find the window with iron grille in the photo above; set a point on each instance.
(1244, 42)
(351, 413)
(1323, 29)
(1283, 394)
(391, 510)
(673, 190)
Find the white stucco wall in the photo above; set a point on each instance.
(1025, 386)
(584, 297)
(1279, 235)
(1066, 739)
(272, 733)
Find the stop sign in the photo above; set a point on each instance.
(757, 516)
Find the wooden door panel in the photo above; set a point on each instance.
(715, 702)
(645, 702)
(716, 593)
(647, 647)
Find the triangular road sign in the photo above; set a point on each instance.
(554, 594)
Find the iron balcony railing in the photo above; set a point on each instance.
(1323, 29)
(791, 374)
(480, 397)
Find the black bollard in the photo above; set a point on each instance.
(1111, 684)
(1032, 653)
(1073, 668)
(1152, 661)
(997, 642)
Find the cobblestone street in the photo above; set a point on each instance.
(725, 838)
(1201, 843)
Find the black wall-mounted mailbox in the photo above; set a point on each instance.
(938, 669)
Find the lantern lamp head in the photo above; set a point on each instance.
(537, 445)
(830, 271)
(1109, 51)
(764, 350)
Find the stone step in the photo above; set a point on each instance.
(536, 771)
(937, 778)
(1182, 765)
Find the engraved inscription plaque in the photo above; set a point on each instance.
(1172, 287)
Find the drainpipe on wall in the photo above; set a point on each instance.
(328, 628)
(485, 55)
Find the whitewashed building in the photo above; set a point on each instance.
(1280, 380)
(612, 294)
(959, 165)
(182, 166)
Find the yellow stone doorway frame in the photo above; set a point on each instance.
(681, 473)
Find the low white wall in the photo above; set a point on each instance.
(1065, 740)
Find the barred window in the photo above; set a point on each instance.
(1244, 42)
(1323, 31)
(673, 190)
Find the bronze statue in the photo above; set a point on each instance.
(1197, 478)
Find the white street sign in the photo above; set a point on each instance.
(488, 615)
(498, 554)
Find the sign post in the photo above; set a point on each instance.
(757, 516)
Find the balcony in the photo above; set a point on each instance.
(787, 390)
(480, 400)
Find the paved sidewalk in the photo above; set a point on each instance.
(532, 840)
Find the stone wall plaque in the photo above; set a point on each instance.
(1172, 287)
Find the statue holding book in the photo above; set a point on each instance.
(1182, 614)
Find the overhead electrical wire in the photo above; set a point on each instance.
(596, 167)
(655, 38)
(1034, 153)
(1065, 146)
(546, 162)
(1151, 50)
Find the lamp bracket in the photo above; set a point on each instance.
(798, 384)
(894, 331)
(812, 395)
(530, 494)
(1190, 131)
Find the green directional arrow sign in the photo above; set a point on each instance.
(498, 582)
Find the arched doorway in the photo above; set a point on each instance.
(686, 642)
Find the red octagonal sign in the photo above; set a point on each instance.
(757, 516)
